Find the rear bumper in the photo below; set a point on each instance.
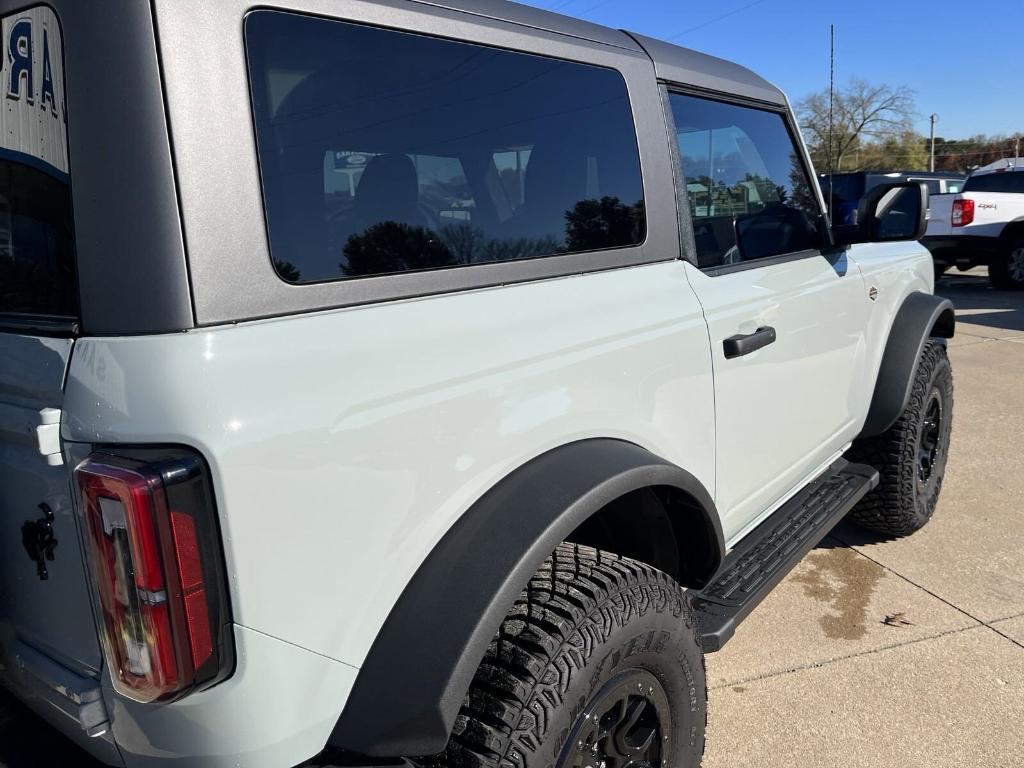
(962, 250)
(71, 703)
(276, 711)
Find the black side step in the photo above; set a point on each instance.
(770, 551)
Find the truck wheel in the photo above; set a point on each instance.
(596, 664)
(911, 456)
(1007, 269)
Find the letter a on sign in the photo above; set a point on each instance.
(32, 121)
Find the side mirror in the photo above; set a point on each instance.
(888, 213)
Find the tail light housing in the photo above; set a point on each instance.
(155, 558)
(963, 212)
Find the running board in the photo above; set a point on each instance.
(764, 557)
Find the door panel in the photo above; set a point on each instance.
(786, 323)
(785, 408)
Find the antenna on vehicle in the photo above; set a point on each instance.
(831, 101)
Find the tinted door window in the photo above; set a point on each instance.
(748, 192)
(385, 152)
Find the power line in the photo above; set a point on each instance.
(559, 6)
(594, 7)
(716, 19)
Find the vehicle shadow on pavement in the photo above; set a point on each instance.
(27, 741)
(977, 303)
(848, 534)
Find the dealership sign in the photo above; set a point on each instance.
(32, 121)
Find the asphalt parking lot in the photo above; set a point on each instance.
(904, 653)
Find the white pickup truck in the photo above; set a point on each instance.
(984, 224)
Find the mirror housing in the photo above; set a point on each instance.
(888, 213)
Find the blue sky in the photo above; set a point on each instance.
(962, 59)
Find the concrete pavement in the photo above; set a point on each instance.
(817, 676)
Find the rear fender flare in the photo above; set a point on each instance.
(409, 690)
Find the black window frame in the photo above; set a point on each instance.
(688, 245)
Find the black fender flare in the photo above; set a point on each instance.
(921, 317)
(408, 692)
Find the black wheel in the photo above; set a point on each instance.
(596, 665)
(1007, 269)
(911, 456)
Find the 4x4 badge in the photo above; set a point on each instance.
(39, 541)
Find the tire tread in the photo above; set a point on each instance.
(574, 602)
(893, 508)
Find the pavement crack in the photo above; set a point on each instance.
(829, 662)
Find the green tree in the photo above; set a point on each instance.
(287, 270)
(605, 223)
(391, 246)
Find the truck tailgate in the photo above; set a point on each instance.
(940, 222)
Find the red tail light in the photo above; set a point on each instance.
(154, 554)
(963, 212)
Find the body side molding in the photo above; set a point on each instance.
(922, 316)
(409, 690)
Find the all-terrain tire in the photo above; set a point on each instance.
(589, 626)
(908, 492)
(1006, 270)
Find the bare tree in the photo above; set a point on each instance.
(862, 114)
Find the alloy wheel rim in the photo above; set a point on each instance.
(626, 725)
(930, 441)
(1016, 264)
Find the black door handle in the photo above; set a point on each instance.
(745, 343)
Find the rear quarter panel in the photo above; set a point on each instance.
(344, 444)
(992, 212)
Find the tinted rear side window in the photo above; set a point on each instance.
(37, 257)
(385, 152)
(1008, 181)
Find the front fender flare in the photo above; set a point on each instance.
(409, 690)
(921, 317)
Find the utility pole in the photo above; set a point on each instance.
(1016, 149)
(931, 163)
